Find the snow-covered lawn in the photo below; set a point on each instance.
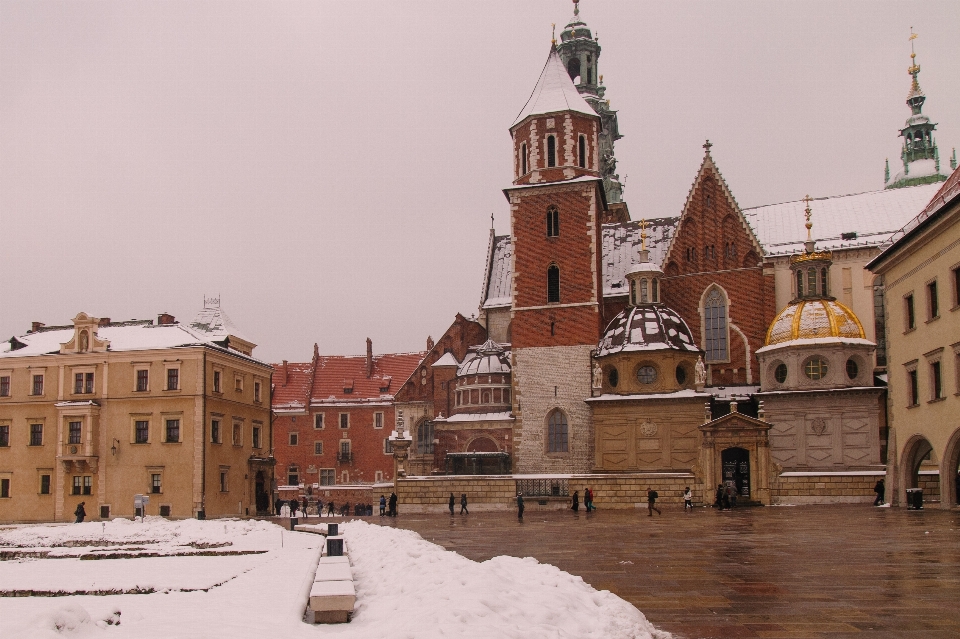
(249, 579)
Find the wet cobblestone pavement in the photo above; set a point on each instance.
(804, 572)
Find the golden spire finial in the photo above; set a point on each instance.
(914, 67)
(576, 7)
(643, 235)
(553, 33)
(808, 214)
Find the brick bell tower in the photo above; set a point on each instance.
(556, 204)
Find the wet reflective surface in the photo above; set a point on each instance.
(803, 572)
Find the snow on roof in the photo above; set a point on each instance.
(554, 92)
(478, 417)
(730, 392)
(213, 322)
(872, 216)
(610, 397)
(501, 273)
(136, 337)
(621, 247)
(946, 192)
(918, 169)
(448, 359)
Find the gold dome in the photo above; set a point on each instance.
(812, 319)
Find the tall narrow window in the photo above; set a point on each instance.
(914, 387)
(523, 159)
(656, 291)
(879, 321)
(173, 430)
(643, 291)
(74, 433)
(4, 435)
(823, 282)
(811, 281)
(141, 431)
(582, 149)
(5, 386)
(933, 302)
(36, 434)
(936, 380)
(956, 286)
(557, 432)
(553, 222)
(143, 377)
(911, 318)
(551, 151)
(173, 378)
(37, 385)
(715, 326)
(553, 283)
(425, 438)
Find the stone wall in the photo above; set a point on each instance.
(615, 492)
(546, 379)
(826, 488)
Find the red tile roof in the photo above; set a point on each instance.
(291, 385)
(336, 373)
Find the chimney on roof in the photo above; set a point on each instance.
(369, 357)
(36, 326)
(104, 321)
(316, 352)
(284, 372)
(165, 319)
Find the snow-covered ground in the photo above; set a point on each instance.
(246, 579)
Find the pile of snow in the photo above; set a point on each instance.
(406, 587)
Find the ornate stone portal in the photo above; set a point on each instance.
(735, 450)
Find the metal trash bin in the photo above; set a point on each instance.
(294, 521)
(334, 546)
(333, 530)
(915, 498)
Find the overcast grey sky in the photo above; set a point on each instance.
(330, 168)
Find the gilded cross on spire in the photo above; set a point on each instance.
(553, 33)
(707, 145)
(643, 235)
(914, 67)
(808, 214)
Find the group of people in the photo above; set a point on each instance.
(726, 497)
(388, 507)
(345, 509)
(587, 500)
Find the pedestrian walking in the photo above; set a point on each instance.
(278, 506)
(451, 503)
(520, 506)
(718, 501)
(80, 512)
(588, 499)
(576, 501)
(319, 507)
(880, 489)
(687, 499)
(383, 505)
(463, 504)
(393, 504)
(331, 509)
(652, 502)
(294, 507)
(726, 490)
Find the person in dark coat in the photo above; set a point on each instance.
(880, 489)
(383, 505)
(652, 502)
(331, 509)
(520, 506)
(463, 504)
(719, 497)
(588, 499)
(393, 504)
(576, 501)
(278, 506)
(451, 503)
(80, 512)
(294, 507)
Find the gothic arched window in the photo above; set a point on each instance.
(715, 326)
(551, 151)
(553, 283)
(557, 432)
(573, 68)
(553, 222)
(425, 438)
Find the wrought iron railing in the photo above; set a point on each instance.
(543, 487)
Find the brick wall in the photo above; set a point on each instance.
(713, 246)
(567, 129)
(824, 489)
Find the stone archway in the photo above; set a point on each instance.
(950, 472)
(482, 444)
(917, 450)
